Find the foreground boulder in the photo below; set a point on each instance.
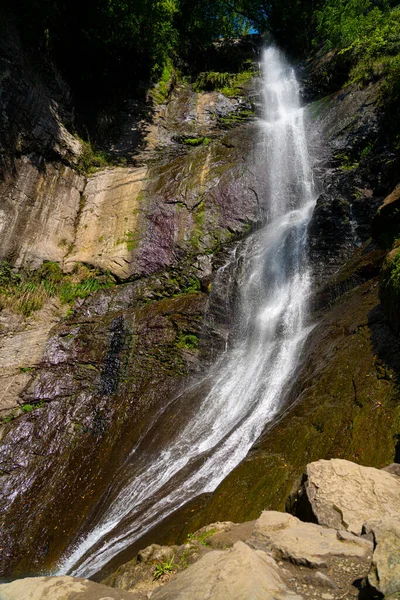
(277, 554)
(239, 573)
(60, 588)
(384, 575)
(276, 557)
(305, 543)
(343, 495)
(138, 575)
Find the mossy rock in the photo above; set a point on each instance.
(344, 400)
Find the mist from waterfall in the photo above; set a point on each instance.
(248, 383)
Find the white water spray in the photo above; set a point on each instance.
(248, 383)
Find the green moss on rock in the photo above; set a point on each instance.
(229, 84)
(345, 398)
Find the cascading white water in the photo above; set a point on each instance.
(247, 384)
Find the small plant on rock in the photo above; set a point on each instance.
(163, 568)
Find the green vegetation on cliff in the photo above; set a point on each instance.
(28, 291)
(368, 36)
(118, 47)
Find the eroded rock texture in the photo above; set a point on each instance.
(80, 392)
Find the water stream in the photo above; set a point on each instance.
(245, 390)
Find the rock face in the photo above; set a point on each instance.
(90, 384)
(340, 494)
(22, 346)
(60, 588)
(38, 212)
(39, 186)
(130, 221)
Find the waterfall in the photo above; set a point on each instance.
(245, 389)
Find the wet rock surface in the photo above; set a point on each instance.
(22, 345)
(95, 393)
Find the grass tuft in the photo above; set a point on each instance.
(27, 291)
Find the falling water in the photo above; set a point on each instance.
(247, 385)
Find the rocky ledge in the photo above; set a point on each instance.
(342, 540)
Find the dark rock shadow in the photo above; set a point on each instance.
(34, 102)
(386, 346)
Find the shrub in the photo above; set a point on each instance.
(368, 33)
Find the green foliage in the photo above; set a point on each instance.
(236, 117)
(202, 537)
(30, 407)
(188, 341)
(8, 418)
(191, 286)
(201, 21)
(347, 163)
(230, 84)
(92, 160)
(130, 239)
(25, 408)
(27, 292)
(368, 34)
(212, 80)
(162, 88)
(162, 568)
(194, 141)
(345, 23)
(392, 275)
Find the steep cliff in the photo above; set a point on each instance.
(81, 389)
(344, 402)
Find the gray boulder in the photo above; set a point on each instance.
(343, 495)
(384, 575)
(288, 538)
(239, 573)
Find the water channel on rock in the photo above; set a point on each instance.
(245, 389)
